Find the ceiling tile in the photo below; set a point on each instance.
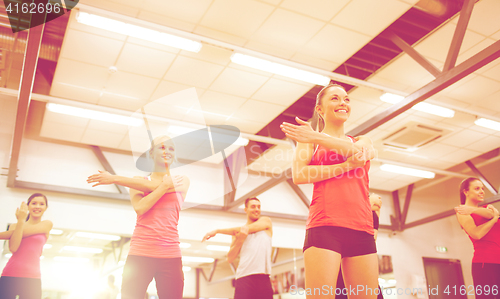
(281, 92)
(463, 138)
(190, 10)
(78, 81)
(90, 48)
(241, 18)
(144, 61)
(494, 72)
(460, 156)
(319, 9)
(176, 105)
(375, 15)
(120, 102)
(485, 144)
(258, 111)
(107, 127)
(193, 72)
(245, 126)
(211, 54)
(474, 50)
(274, 50)
(436, 45)
(474, 89)
(220, 103)
(116, 7)
(366, 94)
(436, 150)
(168, 22)
(130, 86)
(484, 18)
(406, 71)
(65, 119)
(248, 69)
(57, 131)
(219, 35)
(491, 102)
(359, 109)
(325, 44)
(238, 83)
(102, 138)
(166, 88)
(496, 36)
(287, 29)
(315, 62)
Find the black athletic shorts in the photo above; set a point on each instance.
(253, 286)
(348, 242)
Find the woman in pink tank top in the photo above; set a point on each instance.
(483, 228)
(154, 247)
(339, 228)
(21, 276)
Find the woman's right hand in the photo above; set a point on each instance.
(172, 181)
(22, 212)
(359, 159)
(495, 211)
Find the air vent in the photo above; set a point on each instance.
(413, 135)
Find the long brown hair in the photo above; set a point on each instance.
(37, 195)
(464, 186)
(317, 119)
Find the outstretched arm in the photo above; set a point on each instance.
(43, 227)
(137, 183)
(263, 223)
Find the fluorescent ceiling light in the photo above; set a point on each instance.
(241, 141)
(488, 123)
(42, 257)
(82, 249)
(408, 171)
(138, 32)
(279, 69)
(97, 115)
(185, 245)
(56, 231)
(71, 259)
(47, 246)
(186, 268)
(197, 259)
(218, 248)
(422, 107)
(8, 255)
(97, 236)
(121, 263)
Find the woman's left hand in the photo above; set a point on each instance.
(464, 210)
(22, 212)
(302, 133)
(101, 178)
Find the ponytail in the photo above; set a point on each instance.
(464, 186)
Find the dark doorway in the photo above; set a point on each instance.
(445, 279)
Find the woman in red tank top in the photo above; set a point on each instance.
(483, 228)
(154, 247)
(21, 275)
(340, 222)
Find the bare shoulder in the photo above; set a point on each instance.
(12, 226)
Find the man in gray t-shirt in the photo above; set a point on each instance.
(252, 242)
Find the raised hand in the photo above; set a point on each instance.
(495, 211)
(101, 178)
(375, 201)
(209, 235)
(302, 133)
(172, 181)
(243, 233)
(465, 210)
(359, 159)
(22, 212)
